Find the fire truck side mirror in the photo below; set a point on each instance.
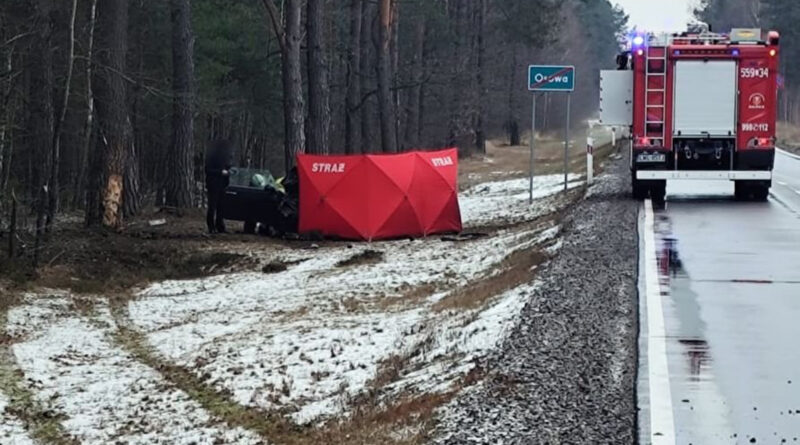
(774, 38)
(622, 61)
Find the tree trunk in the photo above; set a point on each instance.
(180, 177)
(413, 123)
(289, 35)
(53, 195)
(131, 197)
(12, 227)
(115, 137)
(6, 135)
(456, 126)
(83, 155)
(388, 138)
(319, 115)
(395, 52)
(366, 71)
(483, 94)
(318, 102)
(352, 134)
(41, 116)
(511, 122)
(293, 84)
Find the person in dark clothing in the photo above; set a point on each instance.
(218, 165)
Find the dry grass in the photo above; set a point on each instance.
(513, 271)
(789, 136)
(293, 315)
(407, 420)
(506, 162)
(409, 296)
(366, 257)
(503, 161)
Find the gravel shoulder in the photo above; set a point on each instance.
(567, 371)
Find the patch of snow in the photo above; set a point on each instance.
(103, 392)
(312, 366)
(507, 201)
(548, 234)
(555, 247)
(39, 311)
(491, 326)
(458, 341)
(12, 432)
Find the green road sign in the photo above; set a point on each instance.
(551, 78)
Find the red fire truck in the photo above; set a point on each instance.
(699, 105)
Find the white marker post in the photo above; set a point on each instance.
(533, 136)
(613, 137)
(589, 160)
(566, 145)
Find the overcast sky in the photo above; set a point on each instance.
(658, 15)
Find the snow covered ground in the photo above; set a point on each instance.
(12, 431)
(506, 202)
(105, 395)
(303, 341)
(314, 335)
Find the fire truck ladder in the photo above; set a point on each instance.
(655, 95)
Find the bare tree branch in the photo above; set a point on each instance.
(274, 17)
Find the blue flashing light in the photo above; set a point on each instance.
(735, 53)
(677, 52)
(638, 41)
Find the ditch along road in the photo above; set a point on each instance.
(719, 310)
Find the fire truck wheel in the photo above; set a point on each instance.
(760, 193)
(750, 190)
(741, 190)
(658, 191)
(639, 190)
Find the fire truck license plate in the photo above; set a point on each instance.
(651, 157)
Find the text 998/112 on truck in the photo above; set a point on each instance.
(699, 105)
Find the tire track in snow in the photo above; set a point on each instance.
(22, 418)
(104, 394)
(218, 402)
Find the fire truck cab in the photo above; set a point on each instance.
(700, 105)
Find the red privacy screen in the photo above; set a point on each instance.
(379, 196)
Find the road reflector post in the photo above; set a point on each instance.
(589, 160)
(614, 138)
(533, 136)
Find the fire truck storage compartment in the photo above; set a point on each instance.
(616, 97)
(705, 98)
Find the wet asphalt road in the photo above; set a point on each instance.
(729, 276)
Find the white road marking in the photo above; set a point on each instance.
(662, 424)
(786, 153)
(781, 183)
